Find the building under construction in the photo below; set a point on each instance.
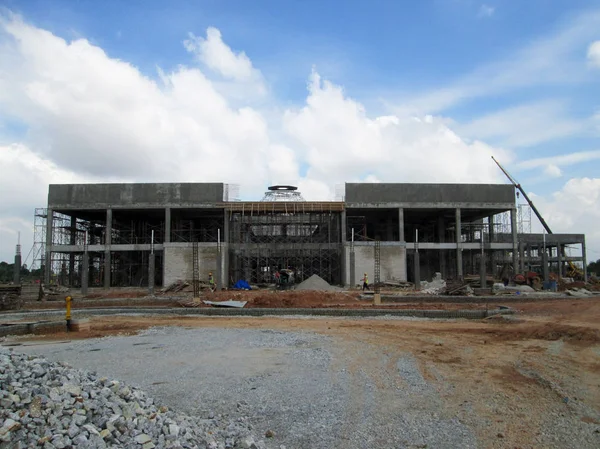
(122, 235)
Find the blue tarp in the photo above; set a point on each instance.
(242, 285)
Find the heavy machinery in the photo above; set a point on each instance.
(530, 277)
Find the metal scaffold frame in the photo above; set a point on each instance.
(263, 243)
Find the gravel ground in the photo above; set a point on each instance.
(301, 386)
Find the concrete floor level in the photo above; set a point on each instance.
(116, 235)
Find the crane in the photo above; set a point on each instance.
(518, 186)
(573, 270)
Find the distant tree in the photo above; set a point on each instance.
(594, 267)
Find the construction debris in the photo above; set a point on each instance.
(579, 292)
(175, 287)
(229, 303)
(10, 297)
(437, 286)
(316, 282)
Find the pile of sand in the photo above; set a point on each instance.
(316, 282)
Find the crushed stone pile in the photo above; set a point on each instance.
(50, 405)
(316, 282)
(437, 286)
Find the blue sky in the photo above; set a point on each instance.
(313, 82)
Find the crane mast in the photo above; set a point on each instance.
(518, 186)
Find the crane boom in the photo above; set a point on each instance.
(518, 186)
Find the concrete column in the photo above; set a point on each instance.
(107, 243)
(401, 224)
(167, 225)
(352, 268)
(73, 230)
(441, 227)
(343, 239)
(585, 273)
(48, 257)
(559, 253)
(528, 257)
(482, 273)
(491, 238)
(459, 261)
(151, 272)
(545, 268)
(85, 273)
(219, 268)
(521, 257)
(417, 266)
(513, 229)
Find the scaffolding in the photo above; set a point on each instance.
(306, 242)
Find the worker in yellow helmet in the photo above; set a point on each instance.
(365, 281)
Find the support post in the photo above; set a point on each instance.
(352, 262)
(49, 229)
(585, 273)
(545, 268)
(225, 249)
(459, 261)
(491, 239)
(417, 262)
(343, 247)
(167, 236)
(73, 230)
(559, 253)
(521, 257)
(107, 243)
(442, 239)
(219, 261)
(85, 267)
(482, 274)
(401, 225)
(151, 266)
(513, 230)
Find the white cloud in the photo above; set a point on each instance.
(553, 171)
(486, 11)
(341, 142)
(551, 60)
(593, 54)
(525, 125)
(575, 208)
(560, 160)
(94, 118)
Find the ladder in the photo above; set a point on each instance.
(195, 269)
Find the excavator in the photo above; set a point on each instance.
(531, 277)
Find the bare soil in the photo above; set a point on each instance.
(509, 379)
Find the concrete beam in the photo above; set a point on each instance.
(499, 207)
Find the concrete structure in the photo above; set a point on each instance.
(101, 234)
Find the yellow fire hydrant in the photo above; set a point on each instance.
(68, 300)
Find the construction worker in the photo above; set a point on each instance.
(366, 282)
(211, 282)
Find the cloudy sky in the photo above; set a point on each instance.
(312, 93)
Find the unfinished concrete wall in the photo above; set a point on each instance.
(393, 263)
(178, 262)
(363, 193)
(95, 196)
